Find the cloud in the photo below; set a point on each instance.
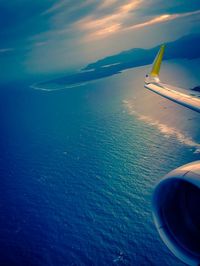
(55, 7)
(38, 44)
(6, 50)
(107, 3)
(116, 22)
(162, 18)
(67, 6)
(110, 23)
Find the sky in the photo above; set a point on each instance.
(40, 37)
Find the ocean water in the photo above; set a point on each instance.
(78, 167)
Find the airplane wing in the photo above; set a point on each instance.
(153, 83)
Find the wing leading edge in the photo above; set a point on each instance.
(152, 82)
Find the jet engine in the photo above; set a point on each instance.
(176, 212)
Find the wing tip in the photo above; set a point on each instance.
(154, 74)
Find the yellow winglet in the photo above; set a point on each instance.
(157, 62)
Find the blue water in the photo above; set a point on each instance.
(77, 174)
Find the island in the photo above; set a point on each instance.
(114, 64)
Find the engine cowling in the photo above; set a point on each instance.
(176, 212)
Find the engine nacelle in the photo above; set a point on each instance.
(176, 212)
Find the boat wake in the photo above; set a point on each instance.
(166, 130)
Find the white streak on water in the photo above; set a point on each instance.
(35, 87)
(166, 130)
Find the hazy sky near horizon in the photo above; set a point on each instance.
(49, 36)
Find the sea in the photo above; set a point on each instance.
(78, 167)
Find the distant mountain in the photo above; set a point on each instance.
(185, 47)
